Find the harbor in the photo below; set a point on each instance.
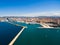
(38, 36)
(29, 22)
(29, 33)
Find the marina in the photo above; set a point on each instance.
(29, 22)
(29, 34)
(38, 36)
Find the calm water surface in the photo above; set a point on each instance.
(8, 32)
(38, 36)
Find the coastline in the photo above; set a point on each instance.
(45, 25)
(42, 24)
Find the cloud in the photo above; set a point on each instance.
(46, 13)
(50, 13)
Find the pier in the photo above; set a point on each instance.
(15, 38)
(45, 25)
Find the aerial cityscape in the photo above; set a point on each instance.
(29, 22)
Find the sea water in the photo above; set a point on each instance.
(8, 32)
(39, 36)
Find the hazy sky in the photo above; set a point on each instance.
(29, 7)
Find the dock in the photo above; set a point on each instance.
(45, 25)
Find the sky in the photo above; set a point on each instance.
(29, 7)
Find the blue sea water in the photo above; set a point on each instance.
(39, 36)
(30, 36)
(8, 32)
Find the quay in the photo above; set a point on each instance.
(45, 25)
